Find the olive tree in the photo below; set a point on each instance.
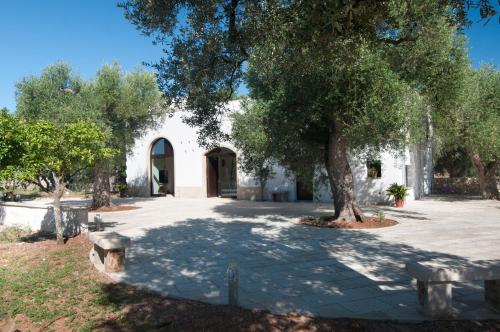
(481, 128)
(326, 69)
(474, 124)
(50, 155)
(124, 105)
(250, 137)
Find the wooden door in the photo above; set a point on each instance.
(212, 176)
(304, 189)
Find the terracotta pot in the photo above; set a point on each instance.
(400, 202)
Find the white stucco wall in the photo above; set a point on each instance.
(187, 156)
(190, 169)
(372, 190)
(38, 216)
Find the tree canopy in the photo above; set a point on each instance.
(250, 138)
(473, 124)
(335, 76)
(122, 104)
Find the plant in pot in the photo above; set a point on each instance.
(372, 172)
(399, 192)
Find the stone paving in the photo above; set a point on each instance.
(182, 247)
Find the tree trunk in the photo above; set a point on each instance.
(340, 177)
(102, 189)
(58, 193)
(121, 174)
(262, 188)
(486, 173)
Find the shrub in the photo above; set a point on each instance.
(14, 233)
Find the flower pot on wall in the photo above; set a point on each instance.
(399, 202)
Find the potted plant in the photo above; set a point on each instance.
(372, 172)
(399, 192)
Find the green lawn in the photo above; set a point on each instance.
(50, 284)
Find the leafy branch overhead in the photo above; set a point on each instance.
(329, 78)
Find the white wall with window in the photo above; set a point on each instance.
(169, 161)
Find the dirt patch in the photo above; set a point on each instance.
(74, 296)
(329, 222)
(115, 208)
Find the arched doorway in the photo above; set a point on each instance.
(221, 173)
(162, 168)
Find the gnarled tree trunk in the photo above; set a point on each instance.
(341, 180)
(58, 193)
(486, 173)
(102, 189)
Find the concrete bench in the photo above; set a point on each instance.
(280, 196)
(434, 284)
(108, 253)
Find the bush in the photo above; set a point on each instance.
(14, 233)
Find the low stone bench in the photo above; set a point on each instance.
(280, 196)
(108, 253)
(434, 284)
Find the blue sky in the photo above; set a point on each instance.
(89, 33)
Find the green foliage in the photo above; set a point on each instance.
(61, 150)
(381, 216)
(455, 162)
(42, 152)
(57, 95)
(11, 145)
(208, 53)
(481, 114)
(398, 191)
(13, 233)
(127, 104)
(250, 137)
(123, 105)
(472, 120)
(372, 172)
(331, 77)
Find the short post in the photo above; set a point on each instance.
(233, 276)
(98, 222)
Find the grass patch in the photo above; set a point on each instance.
(52, 286)
(12, 234)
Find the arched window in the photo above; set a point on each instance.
(162, 168)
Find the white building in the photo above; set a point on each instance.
(169, 161)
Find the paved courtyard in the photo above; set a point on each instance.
(181, 247)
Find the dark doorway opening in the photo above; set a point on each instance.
(221, 173)
(304, 189)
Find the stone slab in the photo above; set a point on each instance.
(109, 240)
(448, 272)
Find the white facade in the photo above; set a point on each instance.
(193, 170)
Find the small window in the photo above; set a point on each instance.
(374, 168)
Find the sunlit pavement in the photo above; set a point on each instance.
(182, 247)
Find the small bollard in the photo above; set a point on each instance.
(98, 222)
(233, 279)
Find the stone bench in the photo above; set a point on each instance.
(108, 253)
(434, 284)
(280, 196)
